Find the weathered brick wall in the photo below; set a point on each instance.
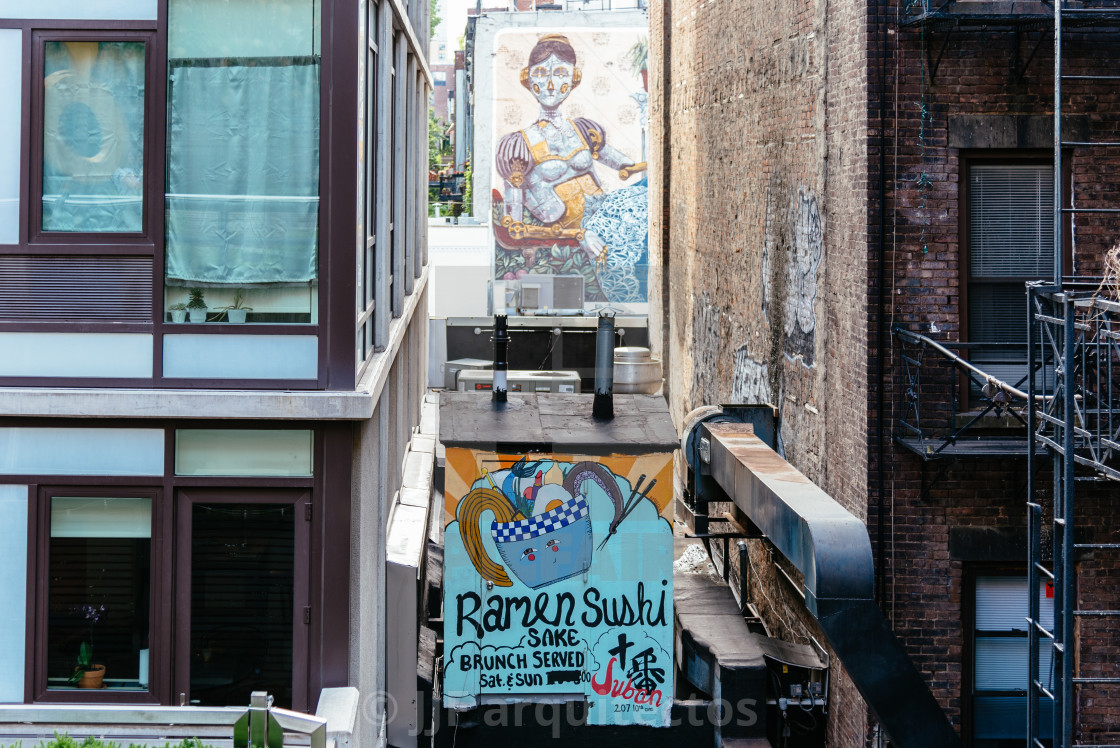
(763, 237)
(779, 126)
(984, 99)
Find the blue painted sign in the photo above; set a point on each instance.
(558, 582)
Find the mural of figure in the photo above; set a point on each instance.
(553, 196)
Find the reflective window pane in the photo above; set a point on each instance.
(242, 589)
(93, 136)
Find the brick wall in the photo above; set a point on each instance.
(984, 100)
(778, 126)
(760, 117)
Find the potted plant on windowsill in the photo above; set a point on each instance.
(237, 311)
(178, 312)
(197, 306)
(87, 674)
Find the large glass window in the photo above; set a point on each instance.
(99, 590)
(999, 667)
(243, 159)
(1010, 241)
(93, 136)
(242, 602)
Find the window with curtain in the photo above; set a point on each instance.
(999, 661)
(93, 136)
(243, 158)
(1010, 241)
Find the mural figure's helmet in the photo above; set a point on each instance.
(547, 46)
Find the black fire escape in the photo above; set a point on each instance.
(1065, 411)
(1076, 413)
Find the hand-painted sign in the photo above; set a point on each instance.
(558, 581)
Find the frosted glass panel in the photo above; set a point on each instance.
(240, 356)
(11, 73)
(13, 590)
(99, 517)
(243, 452)
(80, 10)
(62, 451)
(243, 28)
(66, 354)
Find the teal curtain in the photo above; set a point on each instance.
(243, 171)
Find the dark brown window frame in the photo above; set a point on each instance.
(32, 241)
(967, 159)
(329, 487)
(107, 243)
(185, 499)
(36, 689)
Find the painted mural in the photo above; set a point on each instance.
(558, 580)
(569, 193)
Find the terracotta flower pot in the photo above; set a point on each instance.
(92, 678)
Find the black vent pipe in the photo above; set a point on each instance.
(603, 406)
(501, 365)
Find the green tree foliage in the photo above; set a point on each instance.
(63, 740)
(439, 142)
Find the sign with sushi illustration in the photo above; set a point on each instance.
(558, 581)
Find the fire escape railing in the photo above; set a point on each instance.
(950, 407)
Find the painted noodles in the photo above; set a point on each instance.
(468, 513)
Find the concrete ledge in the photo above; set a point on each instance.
(266, 405)
(339, 707)
(138, 403)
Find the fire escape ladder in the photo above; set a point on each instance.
(1075, 421)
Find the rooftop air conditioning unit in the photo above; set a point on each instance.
(548, 291)
(521, 381)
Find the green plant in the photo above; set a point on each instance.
(84, 663)
(65, 741)
(238, 304)
(238, 301)
(180, 307)
(196, 300)
(468, 189)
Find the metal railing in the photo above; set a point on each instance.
(260, 726)
(950, 406)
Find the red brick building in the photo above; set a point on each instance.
(832, 171)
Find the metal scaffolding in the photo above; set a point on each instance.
(1074, 334)
(1076, 419)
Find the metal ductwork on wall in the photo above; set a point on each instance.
(831, 549)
